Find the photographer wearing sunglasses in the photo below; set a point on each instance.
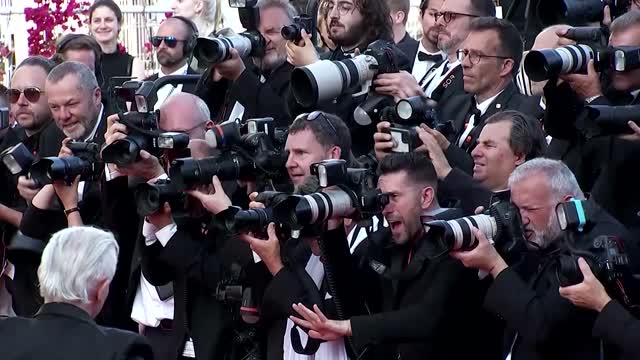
(173, 44)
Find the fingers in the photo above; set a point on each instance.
(300, 322)
(585, 269)
(196, 194)
(479, 210)
(306, 313)
(318, 312)
(591, 68)
(217, 186)
(253, 196)
(383, 126)
(112, 119)
(634, 127)
(271, 231)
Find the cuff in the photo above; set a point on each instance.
(109, 174)
(166, 233)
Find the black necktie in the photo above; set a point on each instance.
(423, 56)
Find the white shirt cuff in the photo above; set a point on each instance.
(164, 235)
(110, 175)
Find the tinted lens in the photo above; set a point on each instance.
(170, 41)
(156, 41)
(13, 95)
(32, 94)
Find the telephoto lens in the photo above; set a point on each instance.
(255, 220)
(188, 173)
(126, 151)
(544, 64)
(457, 235)
(298, 211)
(211, 51)
(50, 169)
(224, 135)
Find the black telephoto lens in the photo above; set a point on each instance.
(188, 173)
(126, 151)
(250, 220)
(151, 197)
(50, 169)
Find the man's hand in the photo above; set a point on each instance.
(400, 85)
(560, 39)
(589, 293)
(268, 250)
(64, 150)
(434, 152)
(68, 194)
(303, 53)
(255, 204)
(230, 69)
(215, 201)
(319, 326)
(27, 188)
(636, 132)
(162, 217)
(483, 257)
(585, 86)
(383, 142)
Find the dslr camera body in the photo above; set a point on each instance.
(293, 32)
(85, 163)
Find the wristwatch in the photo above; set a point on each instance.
(69, 211)
(591, 98)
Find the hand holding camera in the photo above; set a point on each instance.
(28, 188)
(483, 257)
(590, 293)
(383, 142)
(230, 69)
(303, 52)
(268, 250)
(432, 147)
(400, 85)
(147, 167)
(68, 193)
(215, 201)
(585, 86)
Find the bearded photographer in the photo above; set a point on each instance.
(180, 255)
(601, 157)
(255, 86)
(353, 26)
(540, 323)
(614, 324)
(426, 297)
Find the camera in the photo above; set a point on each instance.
(255, 220)
(500, 223)
(4, 118)
(142, 134)
(576, 12)
(293, 32)
(210, 51)
(613, 119)
(325, 80)
(188, 173)
(18, 159)
(85, 162)
(353, 194)
(151, 197)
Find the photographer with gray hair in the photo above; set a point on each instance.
(541, 324)
(76, 270)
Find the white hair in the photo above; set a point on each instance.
(74, 261)
(285, 5)
(562, 182)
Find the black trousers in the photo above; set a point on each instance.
(160, 341)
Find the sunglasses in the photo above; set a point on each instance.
(170, 41)
(32, 94)
(317, 114)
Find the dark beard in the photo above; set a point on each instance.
(351, 38)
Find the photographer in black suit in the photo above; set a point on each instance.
(541, 324)
(615, 324)
(603, 162)
(254, 86)
(426, 297)
(353, 26)
(399, 12)
(77, 267)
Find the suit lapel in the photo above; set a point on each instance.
(500, 102)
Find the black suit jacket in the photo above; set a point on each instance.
(457, 109)
(65, 332)
(260, 99)
(431, 300)
(548, 325)
(409, 47)
(617, 326)
(450, 86)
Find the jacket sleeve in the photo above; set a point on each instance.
(421, 321)
(461, 186)
(538, 316)
(459, 158)
(617, 326)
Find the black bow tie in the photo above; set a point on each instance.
(423, 56)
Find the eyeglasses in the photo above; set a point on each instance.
(32, 94)
(449, 16)
(344, 8)
(475, 57)
(316, 114)
(170, 41)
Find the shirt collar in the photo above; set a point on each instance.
(422, 49)
(483, 106)
(92, 135)
(180, 71)
(9, 270)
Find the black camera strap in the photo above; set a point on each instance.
(315, 297)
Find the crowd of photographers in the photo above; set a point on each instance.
(454, 197)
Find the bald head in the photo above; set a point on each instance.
(185, 112)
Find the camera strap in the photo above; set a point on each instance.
(315, 297)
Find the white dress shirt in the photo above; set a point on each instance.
(420, 68)
(168, 90)
(6, 302)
